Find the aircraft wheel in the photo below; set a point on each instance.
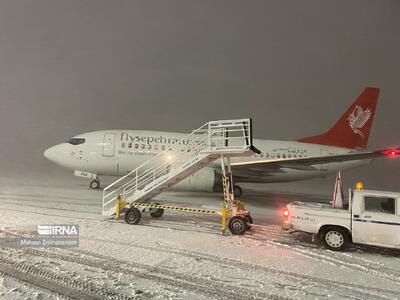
(132, 216)
(156, 212)
(335, 238)
(95, 184)
(237, 225)
(237, 191)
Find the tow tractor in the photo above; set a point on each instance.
(371, 218)
(131, 194)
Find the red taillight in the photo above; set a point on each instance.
(392, 152)
(284, 214)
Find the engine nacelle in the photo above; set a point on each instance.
(204, 180)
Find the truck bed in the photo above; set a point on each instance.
(309, 217)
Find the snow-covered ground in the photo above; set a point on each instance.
(180, 256)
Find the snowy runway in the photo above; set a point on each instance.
(180, 256)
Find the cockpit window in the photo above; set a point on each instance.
(76, 141)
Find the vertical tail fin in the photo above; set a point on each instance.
(353, 128)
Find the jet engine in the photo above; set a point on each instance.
(204, 180)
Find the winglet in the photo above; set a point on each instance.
(353, 128)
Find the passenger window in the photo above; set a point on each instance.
(162, 147)
(76, 141)
(283, 155)
(156, 147)
(380, 204)
(143, 146)
(149, 146)
(136, 146)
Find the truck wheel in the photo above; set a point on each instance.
(335, 238)
(156, 213)
(132, 216)
(237, 225)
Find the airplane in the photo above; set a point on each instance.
(342, 147)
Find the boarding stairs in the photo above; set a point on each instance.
(215, 139)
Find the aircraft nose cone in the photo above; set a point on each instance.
(59, 154)
(51, 153)
(47, 153)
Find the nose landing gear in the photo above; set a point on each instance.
(95, 184)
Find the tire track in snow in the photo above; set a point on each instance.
(206, 286)
(366, 291)
(55, 201)
(50, 197)
(96, 213)
(346, 259)
(51, 215)
(58, 284)
(355, 265)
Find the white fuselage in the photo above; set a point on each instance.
(116, 152)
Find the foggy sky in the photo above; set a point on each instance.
(68, 67)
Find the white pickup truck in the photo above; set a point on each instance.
(372, 218)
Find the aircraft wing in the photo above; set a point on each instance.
(252, 167)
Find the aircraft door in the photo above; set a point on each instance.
(109, 144)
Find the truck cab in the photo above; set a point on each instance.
(375, 218)
(372, 218)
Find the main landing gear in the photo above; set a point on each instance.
(237, 191)
(95, 184)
